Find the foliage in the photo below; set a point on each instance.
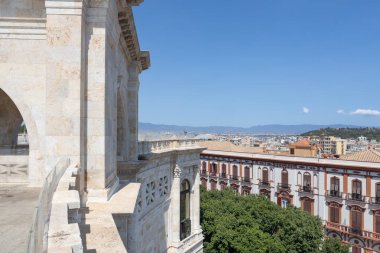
(347, 133)
(233, 223)
(334, 246)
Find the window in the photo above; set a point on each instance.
(224, 169)
(334, 211)
(185, 210)
(308, 205)
(204, 167)
(246, 191)
(284, 178)
(214, 169)
(356, 219)
(284, 203)
(265, 176)
(356, 189)
(213, 184)
(223, 185)
(334, 186)
(356, 249)
(307, 182)
(247, 176)
(377, 199)
(292, 151)
(376, 216)
(235, 172)
(204, 182)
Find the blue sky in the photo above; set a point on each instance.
(251, 62)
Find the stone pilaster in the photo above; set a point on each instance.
(132, 111)
(175, 203)
(64, 80)
(196, 228)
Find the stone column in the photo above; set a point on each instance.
(196, 228)
(101, 104)
(132, 111)
(176, 207)
(64, 80)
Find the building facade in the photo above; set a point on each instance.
(344, 194)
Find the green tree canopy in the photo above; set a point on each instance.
(233, 223)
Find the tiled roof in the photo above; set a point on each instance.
(302, 143)
(369, 155)
(228, 147)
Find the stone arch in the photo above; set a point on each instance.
(23, 114)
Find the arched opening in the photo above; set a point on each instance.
(235, 172)
(224, 171)
(14, 143)
(185, 210)
(13, 130)
(306, 182)
(284, 179)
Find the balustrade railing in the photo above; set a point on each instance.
(37, 240)
(148, 147)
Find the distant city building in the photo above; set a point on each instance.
(304, 148)
(344, 194)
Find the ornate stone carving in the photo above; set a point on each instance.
(177, 172)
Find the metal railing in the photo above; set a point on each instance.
(284, 186)
(37, 240)
(375, 200)
(356, 197)
(264, 183)
(334, 194)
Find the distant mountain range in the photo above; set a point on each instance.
(257, 130)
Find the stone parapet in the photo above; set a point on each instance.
(64, 234)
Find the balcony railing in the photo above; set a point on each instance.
(306, 189)
(234, 178)
(375, 200)
(212, 174)
(352, 231)
(282, 186)
(247, 179)
(263, 183)
(203, 172)
(185, 228)
(334, 194)
(355, 197)
(223, 175)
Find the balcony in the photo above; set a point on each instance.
(284, 187)
(353, 231)
(235, 178)
(355, 197)
(247, 181)
(375, 200)
(223, 175)
(204, 173)
(306, 189)
(264, 184)
(213, 174)
(334, 194)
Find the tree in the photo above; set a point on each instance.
(233, 223)
(334, 246)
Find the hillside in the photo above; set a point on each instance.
(347, 133)
(260, 129)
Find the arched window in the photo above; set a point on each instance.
(224, 171)
(334, 187)
(357, 189)
(185, 210)
(334, 212)
(213, 169)
(213, 184)
(247, 174)
(376, 217)
(356, 219)
(308, 205)
(307, 182)
(284, 179)
(204, 167)
(265, 177)
(204, 182)
(235, 172)
(377, 198)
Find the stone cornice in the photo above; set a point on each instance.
(65, 7)
(128, 30)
